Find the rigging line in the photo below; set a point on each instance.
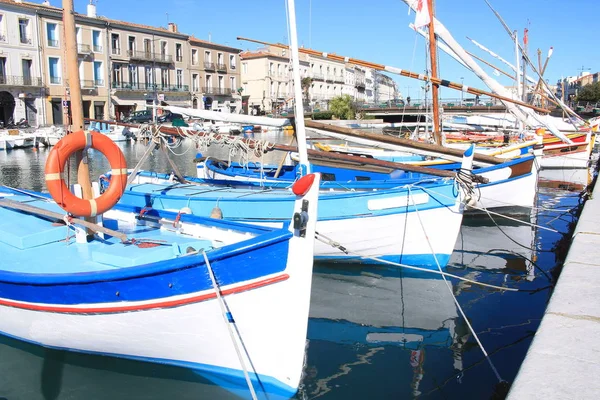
(449, 286)
(228, 319)
(324, 239)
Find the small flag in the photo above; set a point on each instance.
(526, 37)
(422, 14)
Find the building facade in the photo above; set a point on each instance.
(123, 66)
(22, 90)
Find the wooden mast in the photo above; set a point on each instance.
(83, 173)
(437, 133)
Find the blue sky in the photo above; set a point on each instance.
(378, 31)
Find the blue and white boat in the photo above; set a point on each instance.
(217, 297)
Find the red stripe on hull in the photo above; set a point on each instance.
(143, 307)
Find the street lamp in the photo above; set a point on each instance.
(462, 93)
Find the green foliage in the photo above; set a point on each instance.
(589, 92)
(342, 107)
(322, 115)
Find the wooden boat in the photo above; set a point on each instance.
(150, 298)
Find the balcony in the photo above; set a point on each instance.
(329, 78)
(221, 67)
(360, 84)
(232, 66)
(318, 77)
(179, 58)
(149, 56)
(97, 49)
(338, 79)
(116, 51)
(84, 49)
(11, 80)
(149, 87)
(88, 84)
(217, 91)
(2, 37)
(25, 40)
(209, 66)
(52, 43)
(55, 80)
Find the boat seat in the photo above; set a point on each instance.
(25, 231)
(128, 255)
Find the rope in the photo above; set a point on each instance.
(228, 318)
(449, 286)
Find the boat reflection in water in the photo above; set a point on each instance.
(363, 318)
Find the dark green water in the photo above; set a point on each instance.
(374, 332)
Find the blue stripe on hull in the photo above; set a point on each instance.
(230, 379)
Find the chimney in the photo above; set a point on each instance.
(173, 27)
(91, 9)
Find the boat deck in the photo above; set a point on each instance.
(38, 245)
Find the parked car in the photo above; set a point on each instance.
(168, 116)
(139, 117)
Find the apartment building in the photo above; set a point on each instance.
(327, 80)
(267, 80)
(385, 89)
(214, 74)
(92, 61)
(147, 65)
(21, 89)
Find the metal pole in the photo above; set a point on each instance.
(83, 173)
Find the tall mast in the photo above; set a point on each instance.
(83, 174)
(299, 106)
(525, 54)
(434, 74)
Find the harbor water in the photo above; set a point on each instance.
(374, 332)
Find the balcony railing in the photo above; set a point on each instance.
(149, 87)
(338, 79)
(179, 58)
(84, 49)
(25, 40)
(99, 82)
(232, 66)
(116, 51)
(318, 77)
(11, 80)
(52, 43)
(209, 66)
(97, 49)
(2, 37)
(360, 84)
(149, 56)
(55, 80)
(222, 67)
(217, 91)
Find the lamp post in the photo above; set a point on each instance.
(462, 93)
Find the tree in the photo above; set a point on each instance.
(342, 107)
(589, 92)
(305, 85)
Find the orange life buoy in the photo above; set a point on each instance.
(55, 180)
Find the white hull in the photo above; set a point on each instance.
(578, 159)
(508, 193)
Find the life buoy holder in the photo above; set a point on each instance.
(55, 179)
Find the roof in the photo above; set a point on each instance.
(196, 40)
(247, 55)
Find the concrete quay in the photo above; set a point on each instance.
(563, 361)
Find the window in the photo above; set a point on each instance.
(179, 78)
(271, 69)
(208, 82)
(279, 70)
(116, 75)
(78, 34)
(149, 77)
(231, 61)
(54, 70)
(26, 66)
(194, 57)
(245, 68)
(220, 62)
(115, 44)
(163, 48)
(97, 41)
(195, 87)
(221, 86)
(2, 30)
(207, 56)
(52, 34)
(3, 70)
(178, 52)
(164, 77)
(131, 44)
(147, 47)
(98, 73)
(133, 75)
(272, 89)
(24, 31)
(232, 83)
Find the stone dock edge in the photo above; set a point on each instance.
(563, 361)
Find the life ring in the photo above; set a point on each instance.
(55, 166)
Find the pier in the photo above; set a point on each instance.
(563, 362)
